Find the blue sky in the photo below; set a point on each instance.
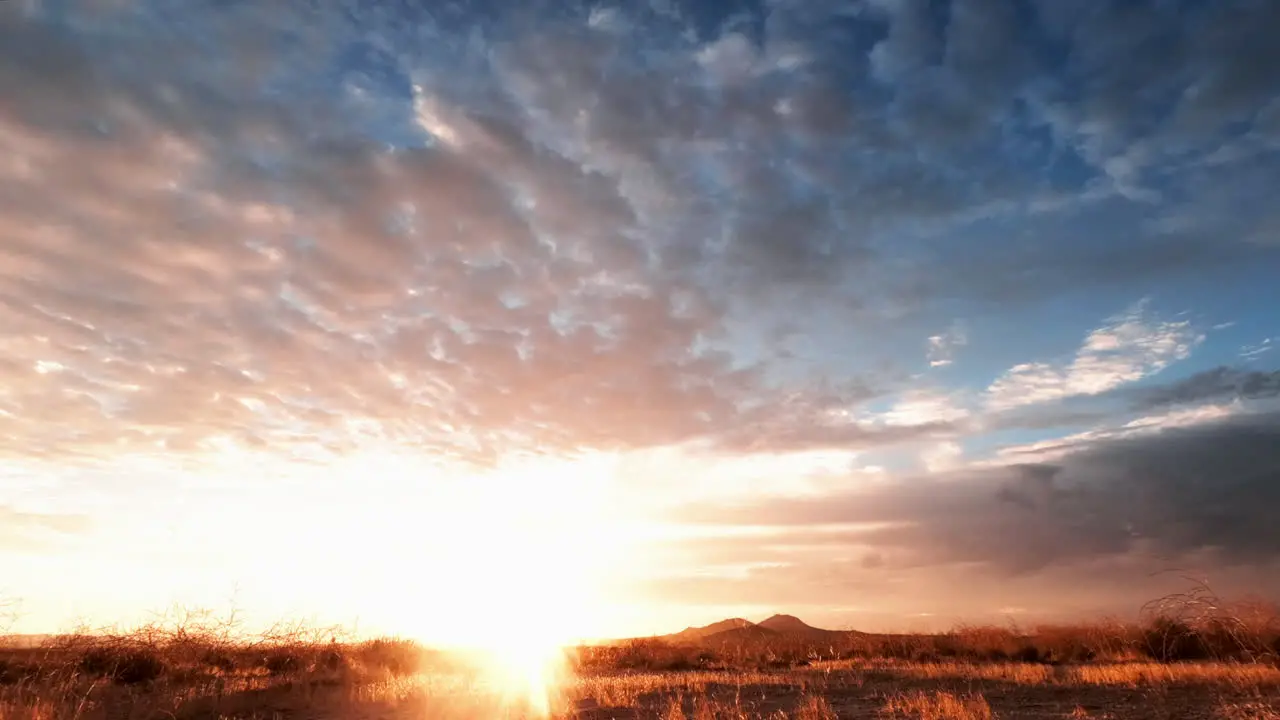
(1017, 256)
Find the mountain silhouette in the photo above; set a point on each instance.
(695, 634)
(790, 625)
(738, 630)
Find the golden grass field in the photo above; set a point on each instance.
(1162, 669)
(838, 689)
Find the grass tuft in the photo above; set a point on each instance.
(939, 705)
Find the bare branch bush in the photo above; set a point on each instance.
(1198, 624)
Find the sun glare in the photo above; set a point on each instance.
(509, 565)
(516, 565)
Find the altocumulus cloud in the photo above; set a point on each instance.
(297, 230)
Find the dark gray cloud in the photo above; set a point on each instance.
(1220, 383)
(847, 593)
(1165, 496)
(821, 216)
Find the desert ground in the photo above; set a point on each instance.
(1225, 669)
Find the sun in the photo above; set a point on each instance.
(515, 564)
(511, 564)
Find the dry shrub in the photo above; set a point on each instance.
(398, 657)
(1238, 676)
(1191, 626)
(123, 663)
(982, 642)
(920, 705)
(14, 671)
(283, 661)
(646, 655)
(1013, 673)
(1104, 641)
(1170, 640)
(1246, 711)
(706, 709)
(922, 648)
(192, 663)
(1197, 624)
(815, 707)
(219, 659)
(675, 709)
(138, 666)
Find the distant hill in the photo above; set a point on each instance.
(695, 634)
(738, 630)
(790, 624)
(746, 635)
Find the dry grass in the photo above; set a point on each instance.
(920, 705)
(198, 668)
(1006, 672)
(192, 664)
(810, 707)
(712, 694)
(815, 707)
(884, 689)
(1237, 676)
(1247, 711)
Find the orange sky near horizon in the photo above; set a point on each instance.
(586, 549)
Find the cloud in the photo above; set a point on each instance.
(943, 457)
(1220, 383)
(1196, 58)
(27, 531)
(1160, 497)
(916, 408)
(827, 417)
(1128, 347)
(175, 292)
(1250, 353)
(1154, 422)
(472, 234)
(942, 347)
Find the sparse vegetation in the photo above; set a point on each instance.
(1161, 639)
(1215, 662)
(920, 705)
(1247, 711)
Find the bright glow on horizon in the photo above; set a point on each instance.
(526, 552)
(383, 541)
(515, 562)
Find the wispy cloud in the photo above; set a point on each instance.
(1249, 353)
(942, 347)
(1127, 348)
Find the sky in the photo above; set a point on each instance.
(884, 313)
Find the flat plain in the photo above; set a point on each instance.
(1162, 669)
